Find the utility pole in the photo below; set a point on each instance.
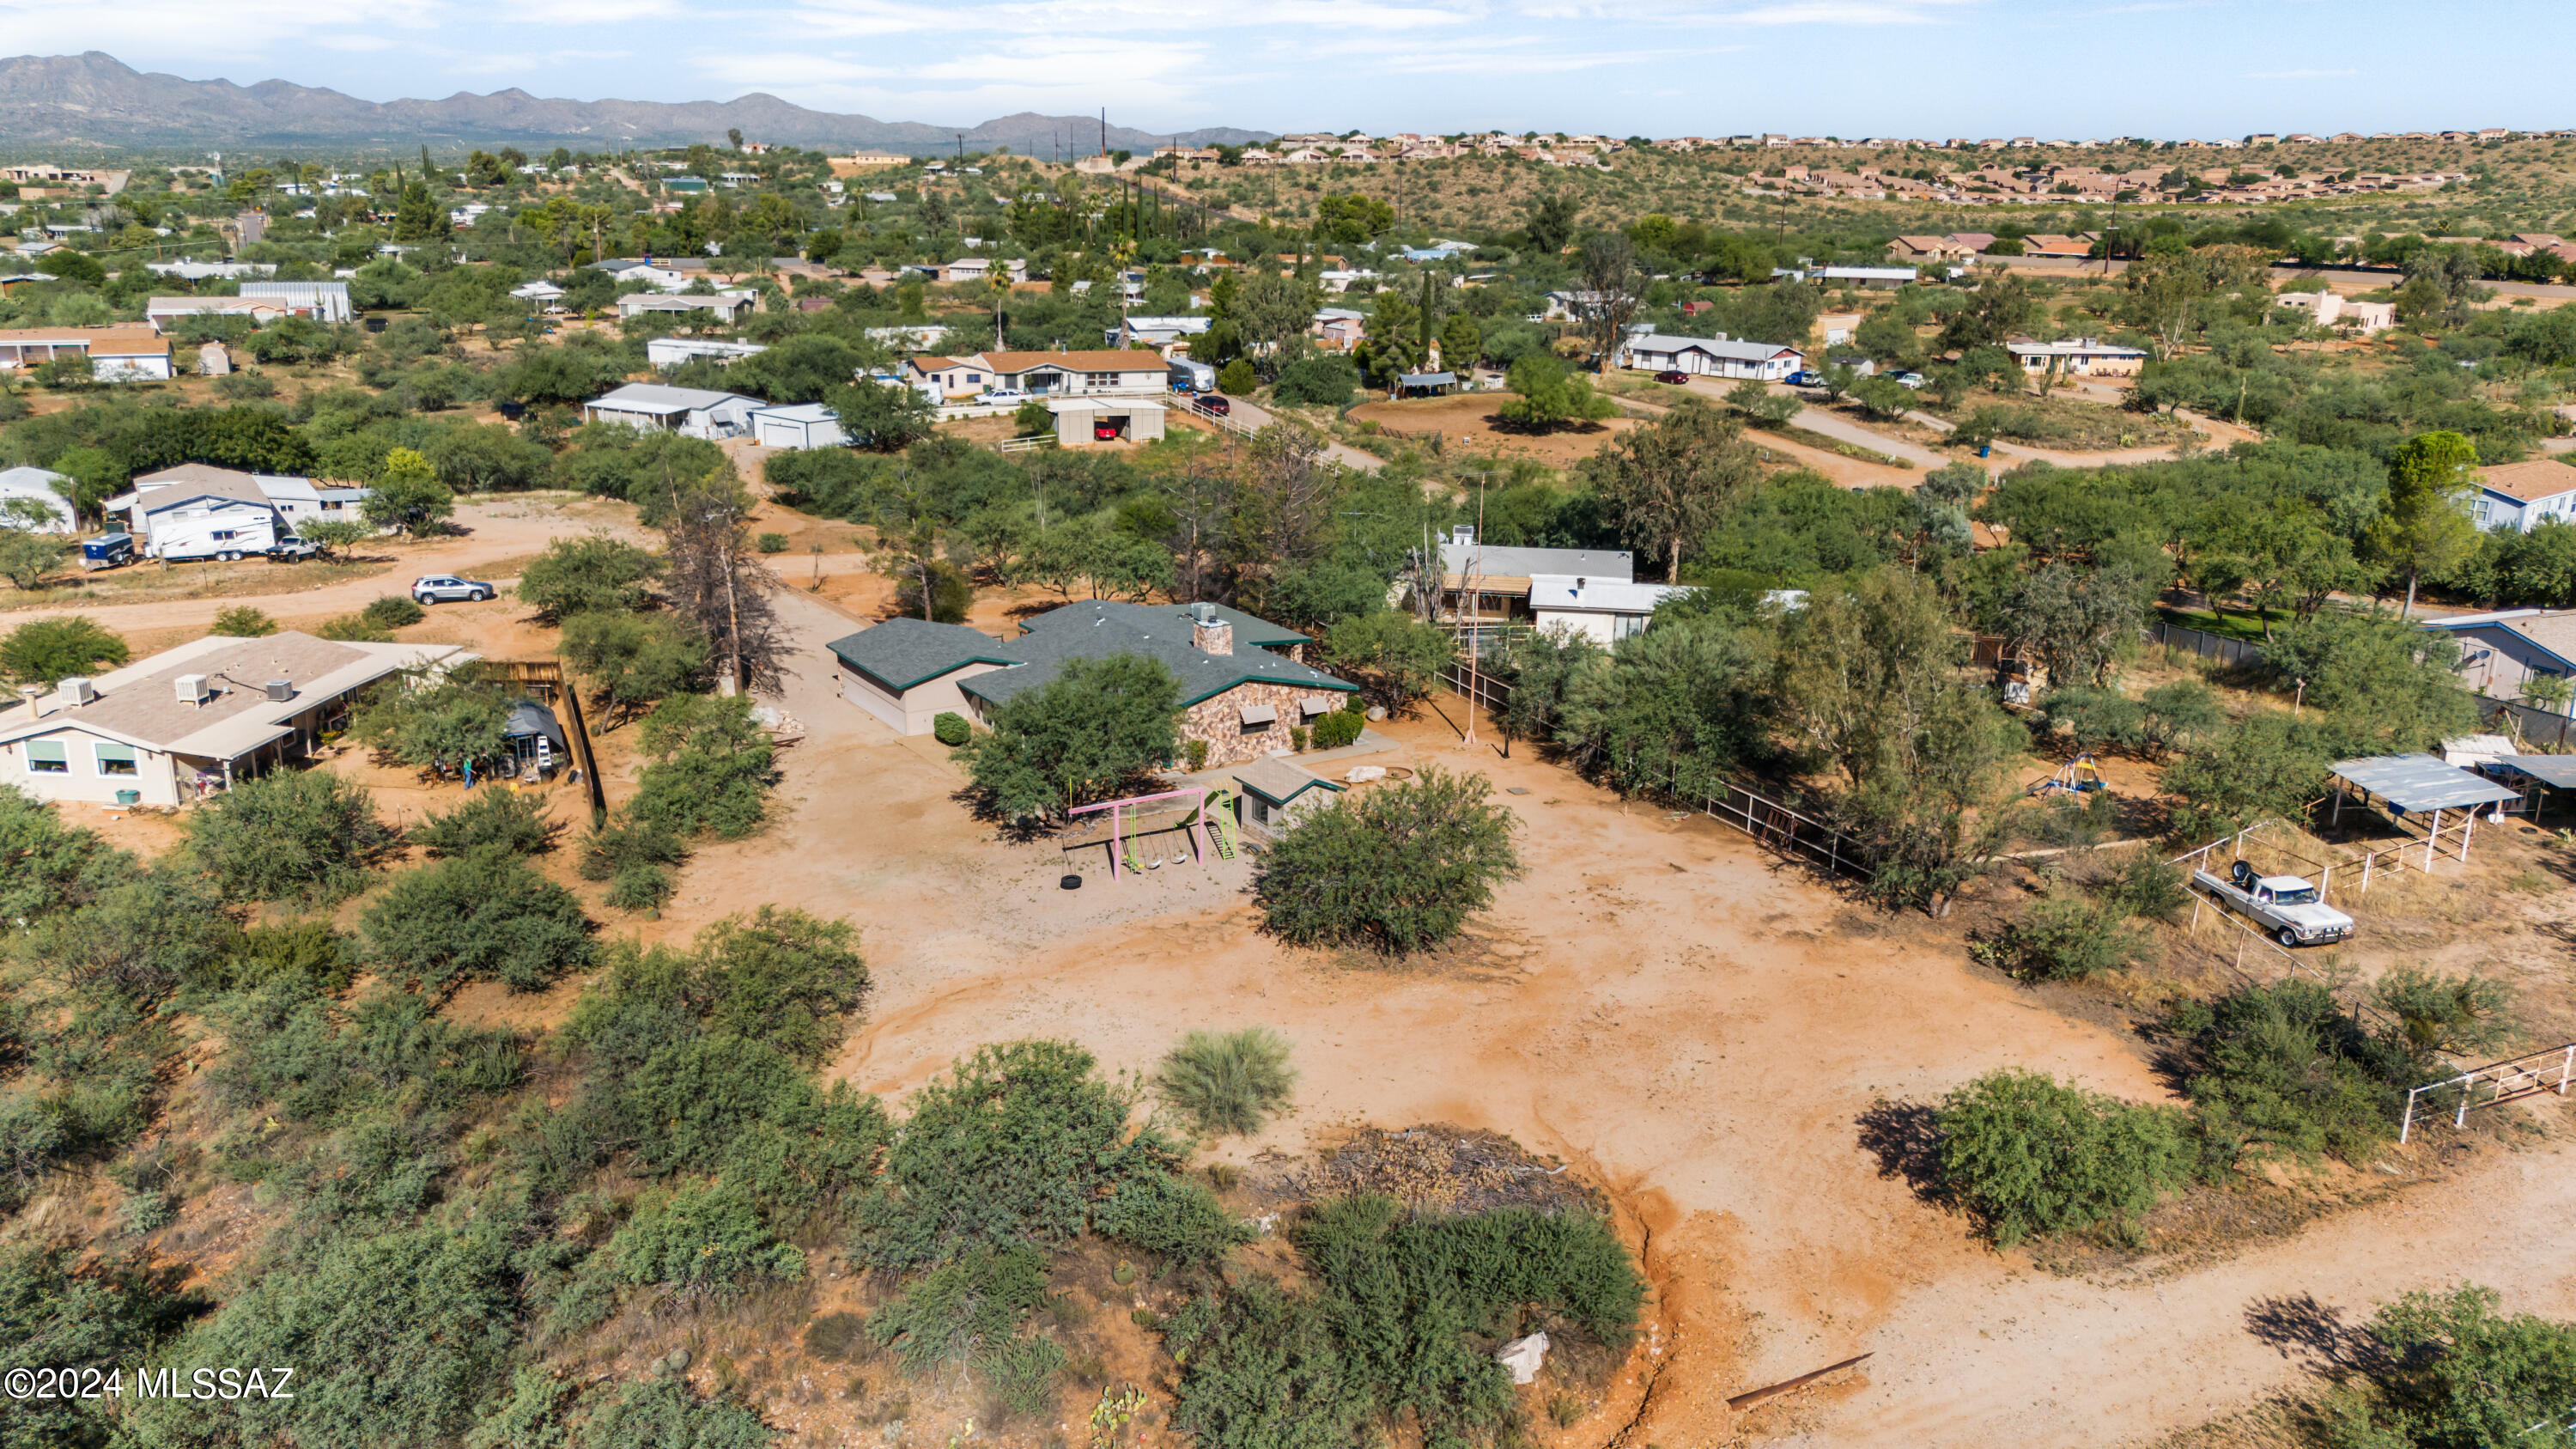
(1475, 613)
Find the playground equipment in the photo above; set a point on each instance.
(1218, 833)
(2079, 776)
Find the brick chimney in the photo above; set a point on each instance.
(1211, 634)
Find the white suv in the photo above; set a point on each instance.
(443, 588)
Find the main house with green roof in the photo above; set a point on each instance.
(1244, 681)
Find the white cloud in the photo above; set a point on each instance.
(2298, 74)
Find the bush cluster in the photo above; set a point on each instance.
(1396, 869)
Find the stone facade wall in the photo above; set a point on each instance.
(1218, 720)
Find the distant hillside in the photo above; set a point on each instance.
(95, 99)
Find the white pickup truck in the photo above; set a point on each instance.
(2287, 905)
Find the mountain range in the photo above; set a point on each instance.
(98, 101)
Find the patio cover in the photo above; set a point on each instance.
(2421, 782)
(2554, 770)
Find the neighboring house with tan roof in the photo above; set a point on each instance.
(1077, 374)
(2501, 652)
(116, 354)
(953, 377)
(2522, 496)
(194, 718)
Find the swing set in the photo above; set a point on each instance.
(2079, 776)
(1208, 823)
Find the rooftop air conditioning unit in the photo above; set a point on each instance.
(193, 689)
(280, 690)
(78, 690)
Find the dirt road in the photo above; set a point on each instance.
(1254, 415)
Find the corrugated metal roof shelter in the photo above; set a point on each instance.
(2556, 771)
(2419, 782)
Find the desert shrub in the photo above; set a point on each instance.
(1018, 1144)
(618, 844)
(711, 769)
(2066, 938)
(290, 1051)
(961, 1312)
(665, 1414)
(483, 915)
(701, 1058)
(47, 866)
(1227, 1082)
(833, 1336)
(47, 651)
(2445, 1014)
(138, 941)
(308, 950)
(1317, 380)
(514, 822)
(2098, 719)
(353, 629)
(2457, 1374)
(2287, 1068)
(2025, 1154)
(57, 1312)
(1386, 1332)
(2142, 886)
(1023, 1371)
(771, 543)
(241, 621)
(778, 977)
(393, 611)
(640, 887)
(305, 835)
(703, 1243)
(1337, 729)
(1165, 1213)
(950, 728)
(1397, 869)
(2177, 714)
(2264, 766)
(1082, 736)
(633, 660)
(1262, 1368)
(428, 715)
(594, 574)
(401, 1337)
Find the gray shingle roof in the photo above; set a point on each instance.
(901, 653)
(1100, 628)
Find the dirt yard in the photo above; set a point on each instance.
(1470, 420)
(1714, 1039)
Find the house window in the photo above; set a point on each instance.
(1623, 625)
(115, 759)
(223, 535)
(1100, 379)
(974, 377)
(47, 757)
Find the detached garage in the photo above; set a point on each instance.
(804, 425)
(906, 671)
(1082, 421)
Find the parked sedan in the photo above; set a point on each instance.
(1673, 379)
(1217, 403)
(448, 588)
